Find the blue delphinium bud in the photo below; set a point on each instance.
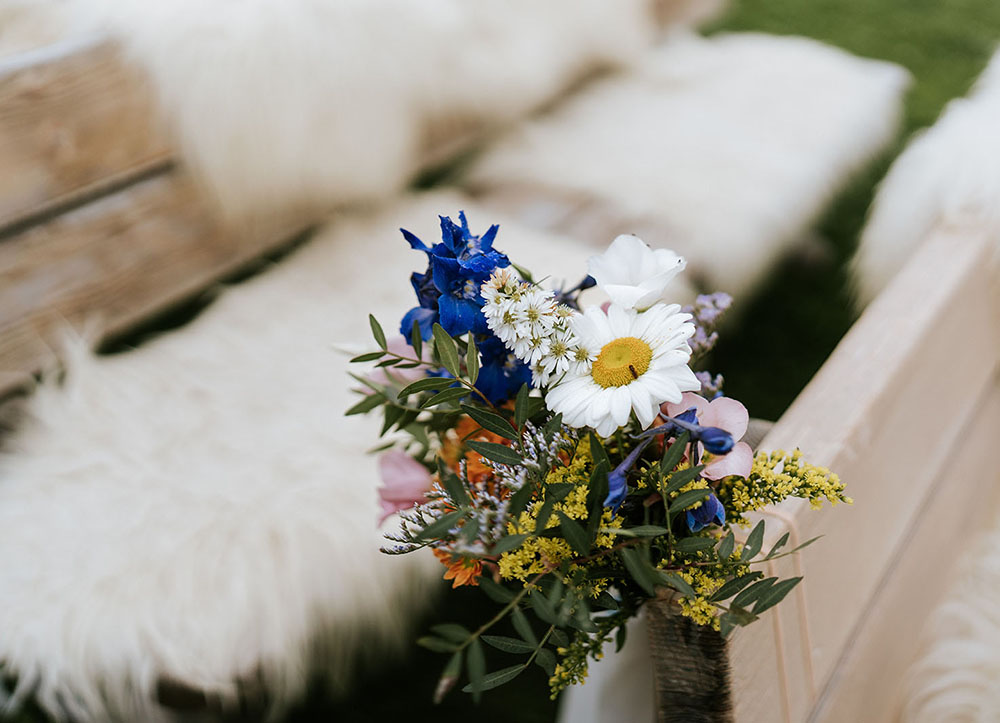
(715, 440)
(710, 510)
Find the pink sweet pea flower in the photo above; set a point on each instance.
(399, 345)
(727, 414)
(404, 482)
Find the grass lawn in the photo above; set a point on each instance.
(786, 331)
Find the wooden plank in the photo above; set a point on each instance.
(74, 120)
(868, 681)
(885, 411)
(104, 267)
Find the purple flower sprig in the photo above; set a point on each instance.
(706, 312)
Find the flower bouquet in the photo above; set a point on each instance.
(570, 461)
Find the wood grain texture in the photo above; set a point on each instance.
(74, 119)
(868, 680)
(104, 267)
(886, 412)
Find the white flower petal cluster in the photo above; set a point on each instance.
(531, 324)
(642, 362)
(632, 274)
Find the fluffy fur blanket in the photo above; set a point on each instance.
(199, 510)
(730, 145)
(949, 172)
(307, 103)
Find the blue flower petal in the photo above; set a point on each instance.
(460, 316)
(424, 317)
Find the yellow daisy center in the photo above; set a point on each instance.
(621, 362)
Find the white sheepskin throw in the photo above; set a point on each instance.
(285, 104)
(957, 678)
(729, 145)
(198, 509)
(949, 173)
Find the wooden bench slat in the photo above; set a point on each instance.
(74, 119)
(113, 263)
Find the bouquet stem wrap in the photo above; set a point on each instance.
(690, 668)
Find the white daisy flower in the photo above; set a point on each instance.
(633, 274)
(642, 362)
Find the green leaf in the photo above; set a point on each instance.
(620, 636)
(544, 515)
(680, 478)
(445, 396)
(597, 492)
(440, 526)
(558, 490)
(552, 426)
(804, 544)
(369, 356)
(546, 660)
(753, 593)
(727, 546)
(606, 601)
(448, 676)
(446, 350)
(452, 484)
(416, 339)
(753, 543)
(735, 585)
(686, 499)
(740, 615)
(391, 362)
(545, 610)
(377, 331)
(451, 631)
(574, 534)
(777, 546)
(640, 570)
(521, 407)
(673, 454)
(523, 272)
(472, 359)
(496, 452)
(598, 452)
(558, 637)
(497, 678)
(490, 421)
(694, 544)
(475, 663)
(508, 543)
(775, 594)
(422, 385)
(494, 590)
(523, 627)
(677, 583)
(366, 405)
(726, 625)
(436, 644)
(393, 414)
(508, 645)
(519, 500)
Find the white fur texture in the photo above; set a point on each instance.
(199, 507)
(957, 678)
(280, 104)
(733, 144)
(948, 173)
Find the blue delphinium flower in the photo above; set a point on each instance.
(708, 512)
(448, 293)
(501, 374)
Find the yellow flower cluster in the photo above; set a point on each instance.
(705, 584)
(539, 554)
(776, 476)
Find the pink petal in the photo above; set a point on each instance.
(738, 462)
(404, 481)
(688, 400)
(728, 414)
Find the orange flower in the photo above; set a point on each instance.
(454, 449)
(462, 571)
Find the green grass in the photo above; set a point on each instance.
(794, 322)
